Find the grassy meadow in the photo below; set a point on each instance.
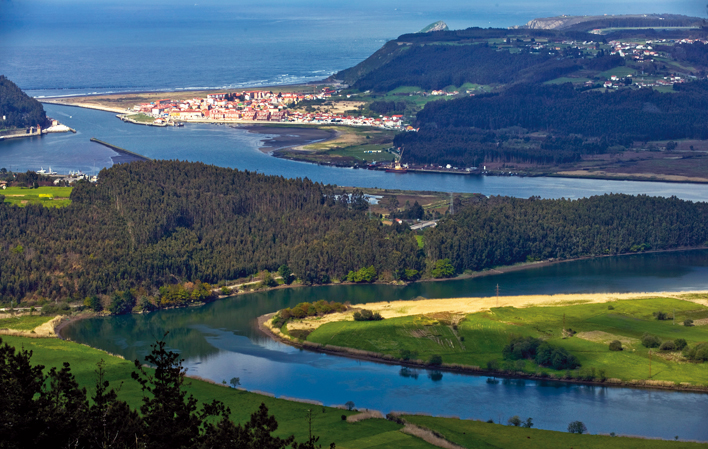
(46, 196)
(475, 434)
(24, 322)
(477, 338)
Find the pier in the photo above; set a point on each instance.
(125, 156)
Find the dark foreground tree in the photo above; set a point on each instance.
(40, 410)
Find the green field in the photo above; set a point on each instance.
(621, 72)
(368, 153)
(565, 79)
(480, 337)
(475, 434)
(141, 118)
(24, 323)
(46, 196)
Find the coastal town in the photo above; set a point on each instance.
(257, 106)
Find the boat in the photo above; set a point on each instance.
(42, 171)
(50, 172)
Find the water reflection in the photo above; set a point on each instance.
(219, 341)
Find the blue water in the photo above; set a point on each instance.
(228, 147)
(77, 46)
(219, 341)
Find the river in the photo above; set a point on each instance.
(237, 148)
(220, 341)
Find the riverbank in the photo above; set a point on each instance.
(352, 432)
(465, 330)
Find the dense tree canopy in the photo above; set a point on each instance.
(503, 231)
(151, 223)
(20, 110)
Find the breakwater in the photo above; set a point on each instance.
(125, 156)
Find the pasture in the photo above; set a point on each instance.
(45, 196)
(475, 339)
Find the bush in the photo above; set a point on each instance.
(650, 341)
(688, 323)
(344, 417)
(661, 316)
(435, 360)
(362, 275)
(557, 358)
(367, 315)
(521, 348)
(698, 353)
(610, 307)
(668, 345)
(407, 354)
(577, 427)
(680, 343)
(493, 365)
(61, 308)
(615, 345)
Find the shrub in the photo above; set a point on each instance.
(557, 358)
(362, 275)
(435, 360)
(615, 345)
(680, 343)
(521, 348)
(577, 427)
(650, 341)
(698, 353)
(367, 315)
(493, 365)
(610, 307)
(688, 323)
(61, 308)
(344, 417)
(668, 345)
(661, 316)
(407, 354)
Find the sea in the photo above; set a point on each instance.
(72, 47)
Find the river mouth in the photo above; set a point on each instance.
(220, 340)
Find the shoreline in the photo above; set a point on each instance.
(357, 354)
(277, 152)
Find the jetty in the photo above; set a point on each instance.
(124, 156)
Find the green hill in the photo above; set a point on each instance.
(17, 109)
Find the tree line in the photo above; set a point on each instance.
(503, 231)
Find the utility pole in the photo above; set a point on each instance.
(497, 295)
(674, 323)
(650, 364)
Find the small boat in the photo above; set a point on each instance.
(42, 171)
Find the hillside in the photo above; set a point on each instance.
(18, 109)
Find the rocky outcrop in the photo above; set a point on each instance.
(437, 26)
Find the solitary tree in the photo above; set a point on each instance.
(349, 405)
(577, 427)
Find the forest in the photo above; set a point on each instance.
(472, 130)
(168, 229)
(151, 224)
(502, 231)
(20, 110)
